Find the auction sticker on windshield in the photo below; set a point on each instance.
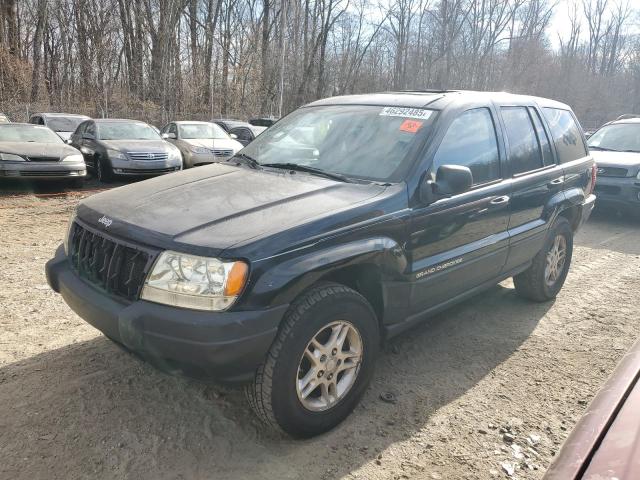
(406, 112)
(410, 126)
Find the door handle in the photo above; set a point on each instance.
(499, 201)
(557, 181)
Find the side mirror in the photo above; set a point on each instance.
(234, 136)
(167, 136)
(87, 136)
(450, 180)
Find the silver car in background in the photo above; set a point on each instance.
(64, 124)
(35, 152)
(200, 142)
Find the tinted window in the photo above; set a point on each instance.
(471, 142)
(524, 150)
(543, 139)
(566, 134)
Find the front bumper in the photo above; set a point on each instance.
(192, 159)
(145, 167)
(224, 346)
(622, 193)
(42, 170)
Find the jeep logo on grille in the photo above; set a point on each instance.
(151, 156)
(106, 221)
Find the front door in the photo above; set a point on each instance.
(459, 243)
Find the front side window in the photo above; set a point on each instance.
(621, 137)
(126, 131)
(524, 150)
(359, 141)
(471, 142)
(566, 134)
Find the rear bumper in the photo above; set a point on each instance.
(224, 346)
(587, 208)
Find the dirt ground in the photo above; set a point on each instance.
(74, 405)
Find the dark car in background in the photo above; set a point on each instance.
(124, 147)
(616, 149)
(246, 134)
(605, 444)
(35, 152)
(200, 142)
(344, 224)
(64, 124)
(229, 123)
(263, 121)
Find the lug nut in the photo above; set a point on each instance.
(320, 373)
(323, 358)
(339, 362)
(330, 376)
(334, 351)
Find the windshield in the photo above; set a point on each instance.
(126, 131)
(64, 124)
(201, 131)
(620, 136)
(27, 133)
(361, 141)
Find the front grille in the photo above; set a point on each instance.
(607, 189)
(150, 156)
(43, 159)
(612, 172)
(222, 153)
(107, 263)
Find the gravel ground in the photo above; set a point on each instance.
(492, 384)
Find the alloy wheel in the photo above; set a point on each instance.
(556, 257)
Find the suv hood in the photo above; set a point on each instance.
(616, 159)
(126, 146)
(33, 149)
(209, 209)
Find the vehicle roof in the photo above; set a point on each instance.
(117, 120)
(199, 122)
(55, 114)
(624, 120)
(437, 99)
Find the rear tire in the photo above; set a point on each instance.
(308, 382)
(545, 277)
(104, 172)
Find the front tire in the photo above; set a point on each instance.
(320, 363)
(545, 277)
(104, 172)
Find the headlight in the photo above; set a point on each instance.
(10, 157)
(174, 154)
(65, 240)
(75, 158)
(116, 155)
(199, 150)
(189, 281)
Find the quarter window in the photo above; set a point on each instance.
(543, 139)
(524, 150)
(471, 142)
(566, 134)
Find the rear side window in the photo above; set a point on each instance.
(471, 142)
(524, 150)
(566, 134)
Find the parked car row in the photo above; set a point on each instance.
(116, 147)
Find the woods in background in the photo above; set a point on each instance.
(169, 59)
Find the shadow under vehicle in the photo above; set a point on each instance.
(344, 224)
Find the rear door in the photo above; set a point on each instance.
(458, 243)
(536, 179)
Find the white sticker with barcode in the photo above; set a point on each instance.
(406, 112)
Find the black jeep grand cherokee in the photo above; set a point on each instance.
(345, 223)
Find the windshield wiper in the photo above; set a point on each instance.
(252, 162)
(604, 148)
(307, 169)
